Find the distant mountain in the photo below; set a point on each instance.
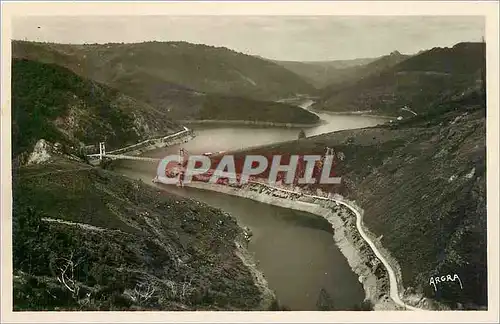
(414, 82)
(346, 76)
(183, 80)
(199, 67)
(323, 73)
(53, 103)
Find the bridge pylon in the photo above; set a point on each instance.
(183, 157)
(102, 150)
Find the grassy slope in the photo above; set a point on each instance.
(182, 248)
(181, 79)
(200, 67)
(414, 181)
(133, 239)
(51, 102)
(417, 81)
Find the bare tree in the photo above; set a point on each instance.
(66, 274)
(186, 289)
(143, 291)
(136, 190)
(324, 302)
(180, 290)
(173, 290)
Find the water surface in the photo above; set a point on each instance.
(295, 250)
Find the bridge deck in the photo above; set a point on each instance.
(125, 157)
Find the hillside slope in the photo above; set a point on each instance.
(422, 185)
(419, 81)
(195, 66)
(182, 80)
(88, 239)
(51, 102)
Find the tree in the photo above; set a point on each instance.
(276, 306)
(65, 274)
(325, 302)
(365, 305)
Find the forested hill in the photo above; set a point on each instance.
(53, 103)
(198, 67)
(416, 82)
(182, 80)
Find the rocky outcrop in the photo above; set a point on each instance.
(42, 152)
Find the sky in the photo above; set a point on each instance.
(293, 38)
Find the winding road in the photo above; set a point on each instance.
(393, 293)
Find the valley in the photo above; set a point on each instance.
(418, 180)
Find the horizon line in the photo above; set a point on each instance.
(233, 50)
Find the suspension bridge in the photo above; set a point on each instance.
(115, 156)
(102, 154)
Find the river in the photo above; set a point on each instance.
(295, 250)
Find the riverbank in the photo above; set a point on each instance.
(308, 103)
(352, 113)
(249, 123)
(268, 297)
(358, 253)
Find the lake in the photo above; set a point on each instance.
(295, 250)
